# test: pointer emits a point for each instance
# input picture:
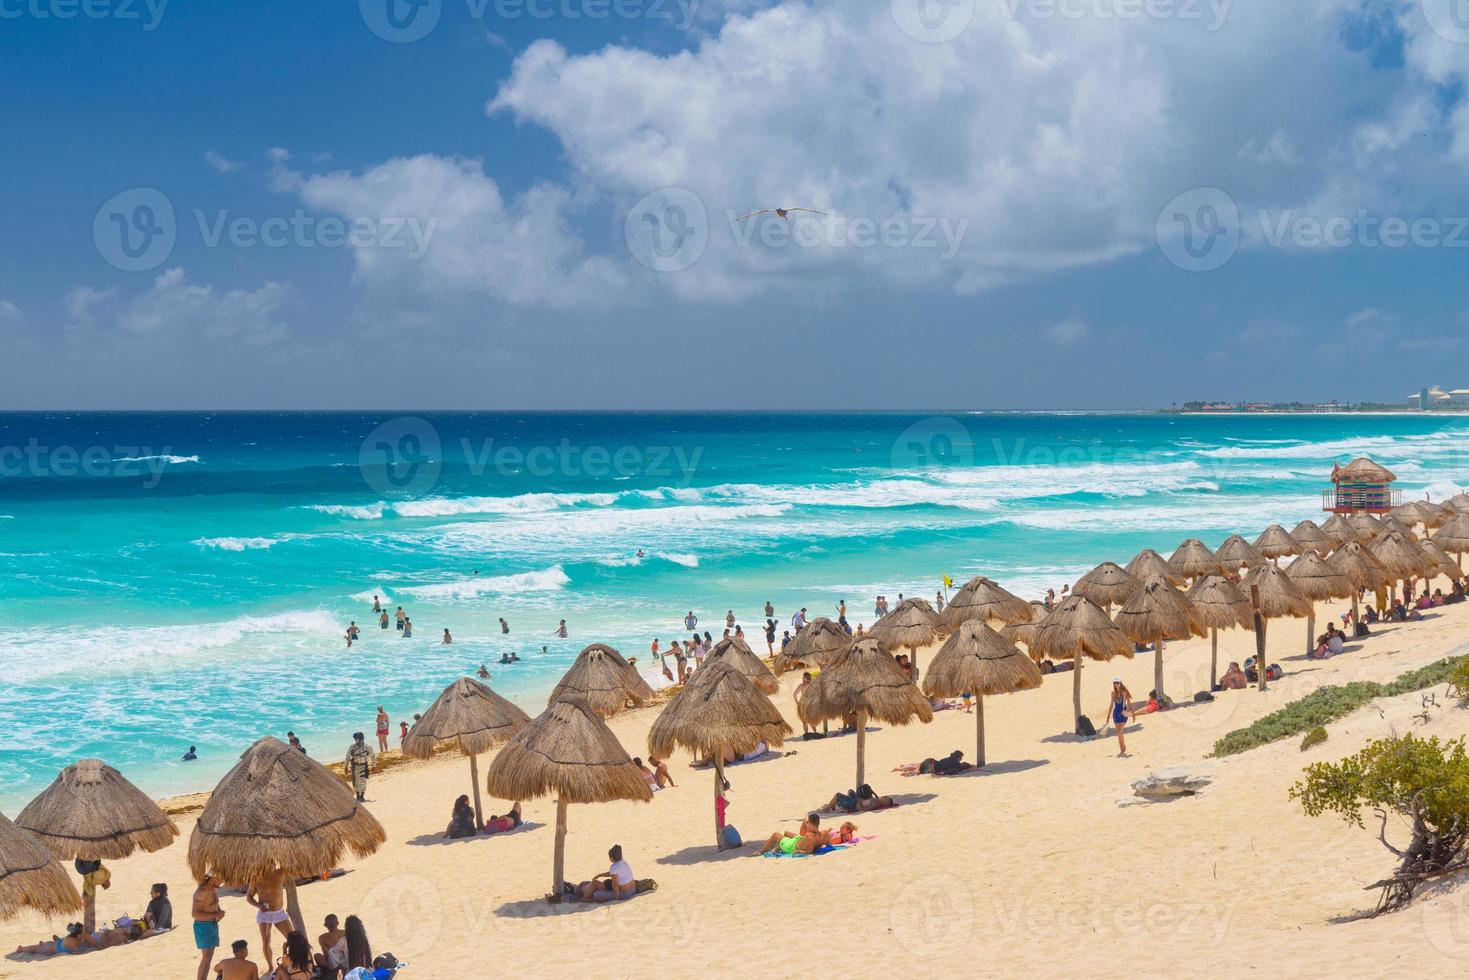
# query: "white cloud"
(173, 307)
(1067, 332)
(10, 314)
(220, 163)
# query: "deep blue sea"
(177, 579)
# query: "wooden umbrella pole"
(718, 795)
(479, 813)
(1213, 658)
(1158, 667)
(1076, 693)
(89, 912)
(558, 865)
(861, 747)
(293, 905)
(1311, 630)
(1259, 635)
(979, 730)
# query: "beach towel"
(820, 850)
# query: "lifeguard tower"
(1362, 486)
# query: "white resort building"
(1436, 397)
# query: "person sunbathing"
(76, 941)
(804, 841)
(1234, 679)
(864, 800)
(499, 825)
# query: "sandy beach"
(1027, 866)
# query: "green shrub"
(1327, 704)
(1421, 780)
(1314, 737)
(1458, 679)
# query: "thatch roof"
(1453, 535)
(31, 877)
(1194, 560)
(739, 656)
(1220, 605)
(1279, 596)
(1308, 535)
(1276, 542)
(469, 714)
(1460, 502)
(1391, 523)
(1025, 632)
(1158, 611)
(91, 812)
(867, 679)
(1106, 585)
(1359, 565)
(1236, 553)
(279, 808)
(1149, 564)
(911, 625)
(1339, 529)
(1318, 580)
(718, 710)
(1446, 565)
(567, 752)
(1364, 470)
(1078, 627)
(816, 645)
(1365, 527)
(1401, 556)
(1420, 512)
(603, 679)
(977, 660)
(983, 600)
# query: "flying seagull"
(779, 213)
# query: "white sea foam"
(367, 512)
(240, 544)
(546, 580)
(171, 460)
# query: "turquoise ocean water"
(177, 579)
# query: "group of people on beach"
(157, 918)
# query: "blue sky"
(542, 196)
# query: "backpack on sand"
(1084, 727)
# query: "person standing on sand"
(1119, 708)
(402, 732)
(383, 725)
(359, 762)
(770, 637)
(267, 897)
(807, 731)
(206, 915)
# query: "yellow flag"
(947, 581)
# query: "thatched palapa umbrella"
(1156, 613)
(1272, 596)
(1276, 543)
(719, 710)
(91, 812)
(976, 660)
(1107, 585)
(1075, 629)
(819, 643)
(738, 655)
(1317, 581)
(1339, 529)
(1446, 565)
(1194, 560)
(1453, 536)
(1366, 527)
(568, 751)
(1149, 564)
(912, 625)
(602, 678)
(1219, 605)
(866, 682)
(1236, 553)
(1354, 561)
(982, 600)
(1401, 556)
(280, 810)
(474, 718)
(1312, 538)
(31, 877)
(1025, 632)
(1391, 523)
(1420, 512)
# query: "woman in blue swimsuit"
(1121, 711)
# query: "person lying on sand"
(950, 765)
(76, 940)
(616, 883)
(1234, 679)
(499, 825)
(864, 800)
(810, 839)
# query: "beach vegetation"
(1313, 738)
(1422, 782)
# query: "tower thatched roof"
(91, 812)
(977, 660)
(468, 714)
(738, 655)
(718, 710)
(602, 678)
(1364, 470)
(279, 808)
(984, 600)
(31, 877)
(567, 752)
(865, 679)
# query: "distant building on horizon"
(1435, 397)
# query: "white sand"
(1030, 867)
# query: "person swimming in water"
(447, 638)
(190, 755)
(483, 672)
(561, 629)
